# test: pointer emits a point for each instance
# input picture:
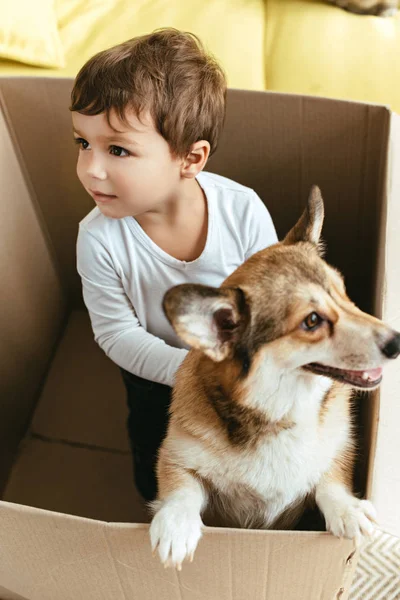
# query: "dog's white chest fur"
(282, 468)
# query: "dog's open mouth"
(369, 378)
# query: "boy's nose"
(97, 173)
(96, 170)
(392, 348)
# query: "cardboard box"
(72, 526)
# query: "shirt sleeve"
(114, 322)
(259, 227)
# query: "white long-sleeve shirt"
(125, 275)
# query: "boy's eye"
(312, 321)
(118, 151)
(82, 143)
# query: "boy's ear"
(308, 228)
(196, 159)
(206, 318)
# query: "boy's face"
(128, 173)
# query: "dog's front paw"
(175, 531)
(351, 518)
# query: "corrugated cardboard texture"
(67, 558)
(32, 305)
(92, 413)
(386, 471)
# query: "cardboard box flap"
(32, 302)
(282, 144)
(47, 555)
(232, 564)
(385, 489)
(48, 154)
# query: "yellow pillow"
(29, 34)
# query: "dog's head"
(289, 304)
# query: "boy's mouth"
(367, 379)
(102, 197)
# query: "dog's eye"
(312, 321)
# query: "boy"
(147, 114)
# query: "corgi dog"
(261, 412)
(381, 8)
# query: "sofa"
(296, 46)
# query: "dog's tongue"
(370, 374)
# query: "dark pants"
(148, 405)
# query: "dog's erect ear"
(308, 227)
(206, 318)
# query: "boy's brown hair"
(167, 72)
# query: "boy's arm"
(114, 322)
(259, 228)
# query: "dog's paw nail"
(352, 519)
(369, 510)
(176, 531)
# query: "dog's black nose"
(392, 348)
